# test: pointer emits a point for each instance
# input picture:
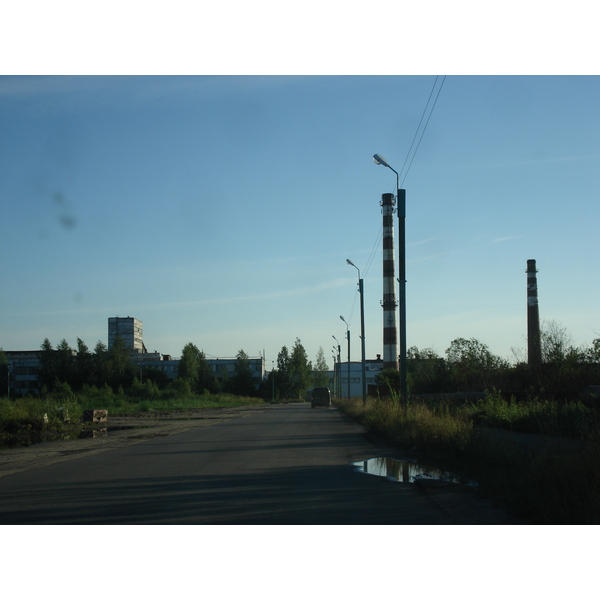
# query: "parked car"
(321, 396)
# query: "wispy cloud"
(421, 242)
(314, 289)
(506, 238)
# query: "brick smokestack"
(390, 330)
(534, 347)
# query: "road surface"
(284, 464)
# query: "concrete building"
(340, 376)
(24, 366)
(222, 368)
(129, 330)
(23, 371)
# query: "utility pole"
(362, 338)
(348, 338)
(401, 208)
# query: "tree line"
(470, 366)
(76, 369)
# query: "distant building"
(224, 368)
(372, 368)
(221, 368)
(129, 330)
(24, 366)
(23, 371)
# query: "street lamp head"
(379, 160)
(350, 262)
(342, 318)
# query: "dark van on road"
(320, 397)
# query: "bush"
(556, 484)
(547, 417)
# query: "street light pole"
(348, 338)
(339, 375)
(401, 208)
(362, 332)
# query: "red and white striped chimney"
(390, 330)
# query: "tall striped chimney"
(534, 347)
(390, 331)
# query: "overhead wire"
(367, 267)
(419, 125)
(424, 128)
(377, 241)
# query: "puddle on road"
(104, 431)
(407, 471)
(24, 440)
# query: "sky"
(220, 210)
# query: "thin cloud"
(327, 285)
(506, 238)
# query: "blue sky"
(220, 210)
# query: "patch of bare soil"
(117, 432)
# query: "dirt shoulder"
(117, 432)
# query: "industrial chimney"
(390, 332)
(534, 347)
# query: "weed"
(553, 484)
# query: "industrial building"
(340, 377)
(24, 366)
(23, 369)
(129, 330)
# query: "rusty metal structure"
(390, 328)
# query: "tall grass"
(552, 483)
(547, 417)
(62, 410)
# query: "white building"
(372, 369)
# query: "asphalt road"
(287, 464)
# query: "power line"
(367, 267)
(419, 125)
(424, 128)
(373, 252)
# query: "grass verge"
(29, 420)
(546, 483)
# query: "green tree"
(321, 372)
(207, 381)
(300, 369)
(121, 370)
(194, 368)
(156, 376)
(242, 382)
(65, 358)
(100, 365)
(189, 365)
(83, 367)
(566, 369)
(473, 366)
(48, 366)
(283, 384)
(427, 372)
(390, 378)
